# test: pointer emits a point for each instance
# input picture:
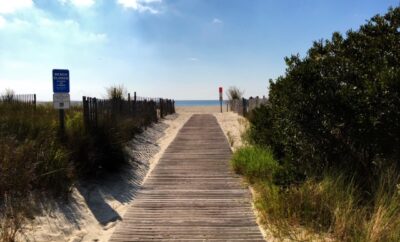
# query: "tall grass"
(330, 204)
(254, 163)
(234, 93)
(32, 158)
(35, 158)
(31, 155)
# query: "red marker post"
(220, 97)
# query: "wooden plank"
(192, 194)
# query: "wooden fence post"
(244, 106)
(161, 108)
(95, 112)
(129, 104)
(85, 112)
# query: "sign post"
(61, 98)
(220, 97)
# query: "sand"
(96, 207)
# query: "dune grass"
(36, 157)
(330, 205)
(254, 163)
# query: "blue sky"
(182, 49)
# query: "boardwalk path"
(192, 194)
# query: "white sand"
(95, 207)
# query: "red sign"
(220, 90)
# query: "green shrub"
(254, 163)
(339, 107)
(333, 123)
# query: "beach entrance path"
(192, 195)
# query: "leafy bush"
(340, 105)
(333, 123)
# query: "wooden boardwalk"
(192, 195)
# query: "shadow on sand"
(98, 195)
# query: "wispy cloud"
(193, 59)
(38, 25)
(11, 6)
(140, 5)
(217, 21)
(3, 21)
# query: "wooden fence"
(245, 106)
(143, 110)
(26, 99)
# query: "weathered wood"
(192, 194)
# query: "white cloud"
(193, 59)
(3, 21)
(217, 21)
(45, 22)
(78, 3)
(41, 27)
(11, 6)
(140, 5)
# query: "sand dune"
(95, 207)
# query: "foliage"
(333, 124)
(254, 162)
(117, 92)
(234, 93)
(31, 155)
(333, 206)
(340, 105)
(36, 157)
(8, 95)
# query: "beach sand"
(95, 207)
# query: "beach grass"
(35, 157)
(318, 209)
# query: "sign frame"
(61, 81)
(61, 101)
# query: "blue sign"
(60, 81)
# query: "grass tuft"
(330, 205)
(254, 163)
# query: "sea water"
(190, 103)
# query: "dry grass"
(35, 158)
(328, 208)
(231, 139)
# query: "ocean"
(189, 103)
